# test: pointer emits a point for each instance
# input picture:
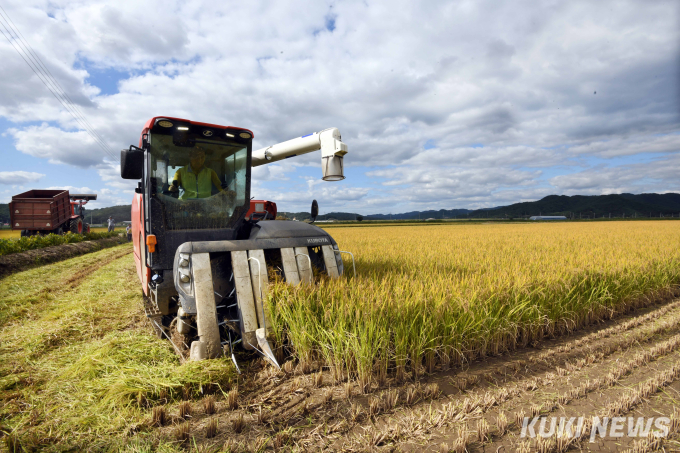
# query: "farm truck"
(49, 211)
(203, 254)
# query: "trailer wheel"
(59, 231)
(25, 233)
(87, 228)
(77, 226)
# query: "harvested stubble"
(211, 428)
(182, 432)
(85, 353)
(460, 292)
(238, 423)
(232, 399)
(209, 404)
(159, 416)
(184, 409)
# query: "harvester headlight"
(244, 135)
(184, 262)
(182, 128)
(230, 135)
(184, 278)
(165, 123)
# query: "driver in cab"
(195, 179)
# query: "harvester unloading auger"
(202, 262)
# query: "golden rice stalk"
(238, 423)
(209, 404)
(184, 409)
(375, 406)
(483, 430)
(158, 416)
(211, 428)
(432, 391)
(288, 367)
(232, 399)
(391, 398)
(317, 380)
(347, 390)
(412, 395)
(328, 396)
(502, 424)
(462, 441)
(183, 431)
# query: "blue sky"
(457, 105)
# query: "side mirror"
(315, 210)
(132, 163)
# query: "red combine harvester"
(202, 250)
(261, 210)
(49, 211)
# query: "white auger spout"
(329, 141)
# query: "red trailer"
(49, 211)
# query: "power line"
(54, 87)
(40, 70)
(47, 71)
(56, 94)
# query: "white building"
(547, 217)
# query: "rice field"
(384, 361)
(427, 296)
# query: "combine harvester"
(202, 253)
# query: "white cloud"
(655, 176)
(540, 85)
(19, 177)
(58, 146)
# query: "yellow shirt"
(197, 186)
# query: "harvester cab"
(203, 253)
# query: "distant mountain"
(577, 206)
(431, 214)
(414, 215)
(642, 205)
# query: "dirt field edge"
(17, 262)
